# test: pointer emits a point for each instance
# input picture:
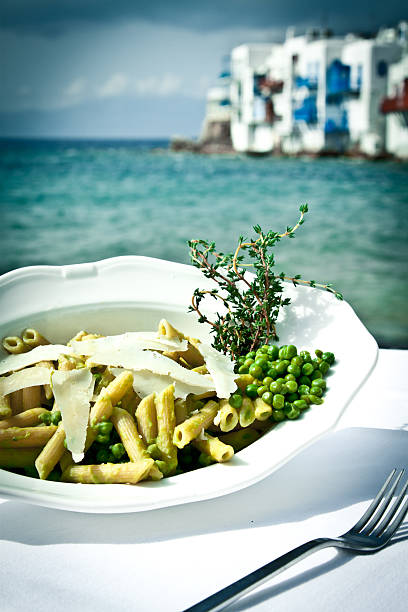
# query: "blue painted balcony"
(307, 112)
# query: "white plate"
(133, 293)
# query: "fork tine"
(387, 528)
(384, 504)
(374, 504)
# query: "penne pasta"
(214, 448)
(166, 422)
(18, 458)
(20, 437)
(51, 453)
(262, 410)
(246, 413)
(23, 419)
(31, 397)
(32, 338)
(134, 445)
(195, 424)
(14, 345)
(227, 416)
(109, 473)
(146, 418)
(16, 401)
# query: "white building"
(369, 62)
(395, 106)
(313, 94)
(250, 127)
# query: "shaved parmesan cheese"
(202, 435)
(217, 418)
(73, 390)
(146, 382)
(31, 377)
(221, 368)
(46, 352)
(137, 360)
(129, 341)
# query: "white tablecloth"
(169, 559)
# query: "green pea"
(241, 361)
(284, 389)
(282, 366)
(292, 397)
(248, 362)
(306, 398)
(251, 355)
(273, 351)
(316, 362)
(272, 373)
(275, 387)
(287, 351)
(316, 391)
(235, 401)
(261, 359)
(205, 460)
(117, 450)
(105, 428)
(307, 358)
(102, 456)
(292, 386)
(293, 414)
(315, 400)
(304, 380)
(267, 381)
(329, 357)
(303, 389)
(294, 369)
(319, 382)
(103, 439)
(290, 377)
(278, 415)
(316, 374)
(262, 389)
(307, 369)
(255, 370)
(251, 391)
(263, 349)
(297, 360)
(300, 404)
(280, 380)
(45, 418)
(243, 370)
(278, 401)
(55, 417)
(154, 451)
(267, 397)
(318, 353)
(324, 367)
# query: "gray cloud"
(51, 17)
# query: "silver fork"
(371, 533)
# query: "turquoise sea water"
(75, 201)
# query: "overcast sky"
(130, 68)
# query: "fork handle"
(237, 589)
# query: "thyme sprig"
(251, 303)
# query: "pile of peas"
(284, 379)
